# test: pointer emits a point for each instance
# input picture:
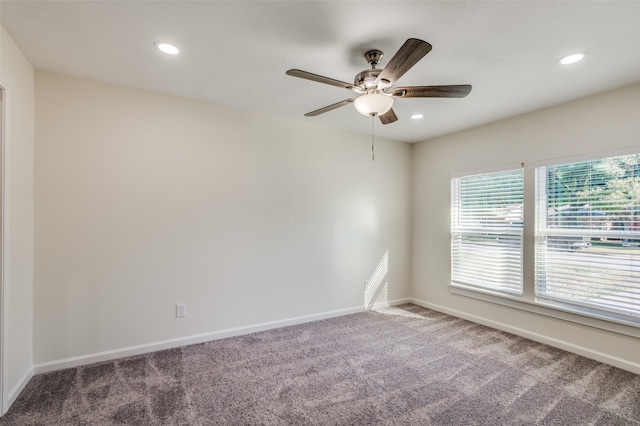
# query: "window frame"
(512, 231)
(528, 301)
(543, 230)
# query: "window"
(588, 236)
(486, 231)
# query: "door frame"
(3, 395)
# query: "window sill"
(548, 309)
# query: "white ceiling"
(235, 53)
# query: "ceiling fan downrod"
(367, 80)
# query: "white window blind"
(588, 236)
(486, 230)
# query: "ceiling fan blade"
(407, 56)
(329, 108)
(320, 79)
(451, 91)
(388, 117)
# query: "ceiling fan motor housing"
(367, 80)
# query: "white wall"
(607, 121)
(16, 76)
(145, 200)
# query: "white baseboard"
(205, 337)
(579, 350)
(17, 389)
(401, 301)
(77, 361)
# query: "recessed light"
(571, 59)
(416, 116)
(167, 48)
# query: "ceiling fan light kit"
(375, 86)
(373, 104)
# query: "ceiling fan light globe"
(373, 104)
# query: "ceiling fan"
(375, 86)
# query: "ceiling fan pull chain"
(373, 154)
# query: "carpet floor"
(398, 366)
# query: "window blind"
(486, 230)
(588, 235)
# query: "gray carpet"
(399, 366)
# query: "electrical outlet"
(181, 310)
